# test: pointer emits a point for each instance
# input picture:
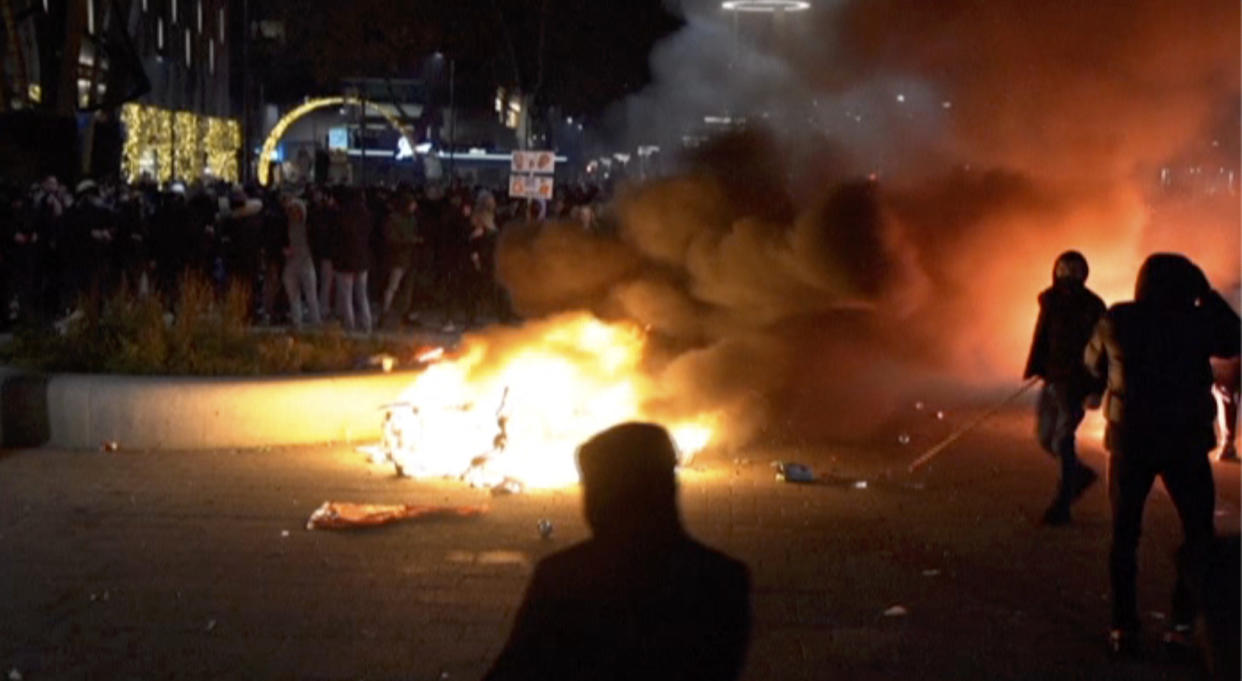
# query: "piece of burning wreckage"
(479, 435)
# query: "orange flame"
(517, 403)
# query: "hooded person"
(1156, 355)
(640, 599)
(1068, 312)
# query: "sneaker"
(1124, 643)
(1056, 516)
(1178, 644)
(1086, 478)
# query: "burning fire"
(512, 406)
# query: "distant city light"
(765, 5)
(901, 98)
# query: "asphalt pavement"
(198, 565)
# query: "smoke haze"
(907, 175)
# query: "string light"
(157, 140)
(187, 146)
(268, 154)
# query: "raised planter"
(79, 411)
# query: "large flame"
(514, 404)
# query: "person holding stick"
(1068, 312)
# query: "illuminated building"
(144, 84)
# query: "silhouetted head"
(1070, 268)
(628, 484)
(1171, 281)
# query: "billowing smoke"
(907, 173)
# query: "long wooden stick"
(957, 434)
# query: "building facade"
(145, 82)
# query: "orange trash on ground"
(334, 515)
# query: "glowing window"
(211, 56)
(200, 16)
(159, 33)
(90, 16)
(188, 47)
(220, 25)
(173, 4)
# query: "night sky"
(594, 52)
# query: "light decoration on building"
(187, 145)
(221, 142)
(268, 154)
(159, 142)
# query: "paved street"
(198, 565)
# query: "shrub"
(204, 336)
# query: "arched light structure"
(278, 130)
(765, 5)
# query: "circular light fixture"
(765, 5)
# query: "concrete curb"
(83, 411)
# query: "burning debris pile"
(508, 410)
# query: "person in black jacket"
(353, 260)
(1155, 353)
(640, 599)
(1068, 312)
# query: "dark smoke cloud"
(785, 285)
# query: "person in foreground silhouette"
(1155, 353)
(640, 599)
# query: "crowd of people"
(362, 256)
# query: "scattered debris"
(918, 406)
(502, 558)
(284, 534)
(1157, 615)
(383, 361)
(15, 675)
(109, 446)
(904, 438)
(861, 484)
(338, 515)
(896, 611)
(793, 472)
(931, 573)
(940, 415)
(211, 624)
(545, 528)
(508, 486)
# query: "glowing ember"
(513, 405)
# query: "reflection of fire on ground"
(510, 408)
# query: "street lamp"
(765, 5)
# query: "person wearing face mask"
(1068, 312)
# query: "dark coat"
(1068, 314)
(323, 231)
(1156, 359)
(354, 252)
(667, 609)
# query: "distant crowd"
(363, 256)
